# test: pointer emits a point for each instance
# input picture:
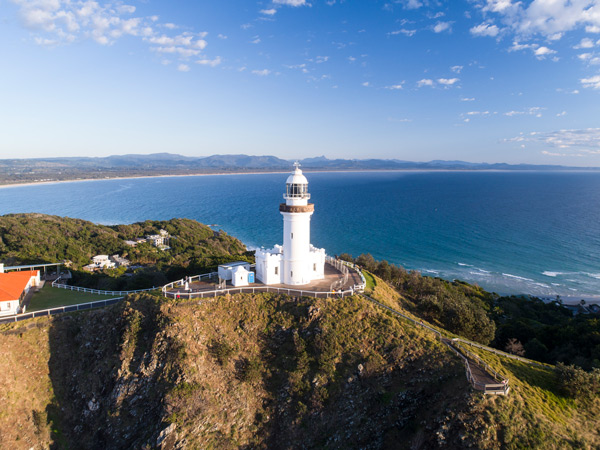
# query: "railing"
(398, 313)
(488, 388)
(255, 289)
(61, 309)
(501, 353)
(96, 291)
(182, 282)
(343, 266)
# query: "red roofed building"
(14, 286)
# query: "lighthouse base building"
(297, 262)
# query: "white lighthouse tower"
(297, 262)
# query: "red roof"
(12, 284)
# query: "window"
(315, 267)
(292, 235)
(276, 270)
(291, 274)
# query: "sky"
(419, 80)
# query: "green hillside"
(39, 238)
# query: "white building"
(237, 272)
(297, 262)
(14, 286)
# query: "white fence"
(61, 309)
(255, 289)
(96, 291)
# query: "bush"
(576, 382)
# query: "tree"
(515, 347)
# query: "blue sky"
(477, 80)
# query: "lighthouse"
(297, 262)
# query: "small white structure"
(237, 272)
(159, 240)
(14, 286)
(102, 262)
(297, 262)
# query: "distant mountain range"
(69, 168)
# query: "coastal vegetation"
(546, 332)
(39, 238)
(257, 371)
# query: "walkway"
(481, 376)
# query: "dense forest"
(195, 248)
(546, 332)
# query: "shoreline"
(201, 174)
(566, 299)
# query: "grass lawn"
(370, 282)
(49, 297)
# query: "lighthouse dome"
(296, 177)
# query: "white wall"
(296, 247)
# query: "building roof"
(296, 177)
(12, 284)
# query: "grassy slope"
(534, 415)
(265, 371)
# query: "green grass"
(49, 297)
(370, 282)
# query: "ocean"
(510, 232)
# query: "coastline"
(201, 174)
(589, 297)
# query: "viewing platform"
(341, 279)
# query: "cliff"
(262, 371)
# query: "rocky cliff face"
(245, 371)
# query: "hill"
(39, 238)
(73, 168)
(264, 371)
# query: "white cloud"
(403, 31)
(442, 26)
(221, 36)
(261, 73)
(542, 52)
(467, 99)
(586, 141)
(366, 84)
(395, 87)
(533, 111)
(210, 62)
(55, 22)
(592, 29)
(412, 4)
(517, 47)
(321, 59)
(290, 2)
(585, 43)
(560, 114)
(268, 12)
(424, 82)
(499, 5)
(456, 69)
(448, 81)
(549, 18)
(255, 40)
(591, 82)
(485, 29)
(183, 68)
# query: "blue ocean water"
(510, 232)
